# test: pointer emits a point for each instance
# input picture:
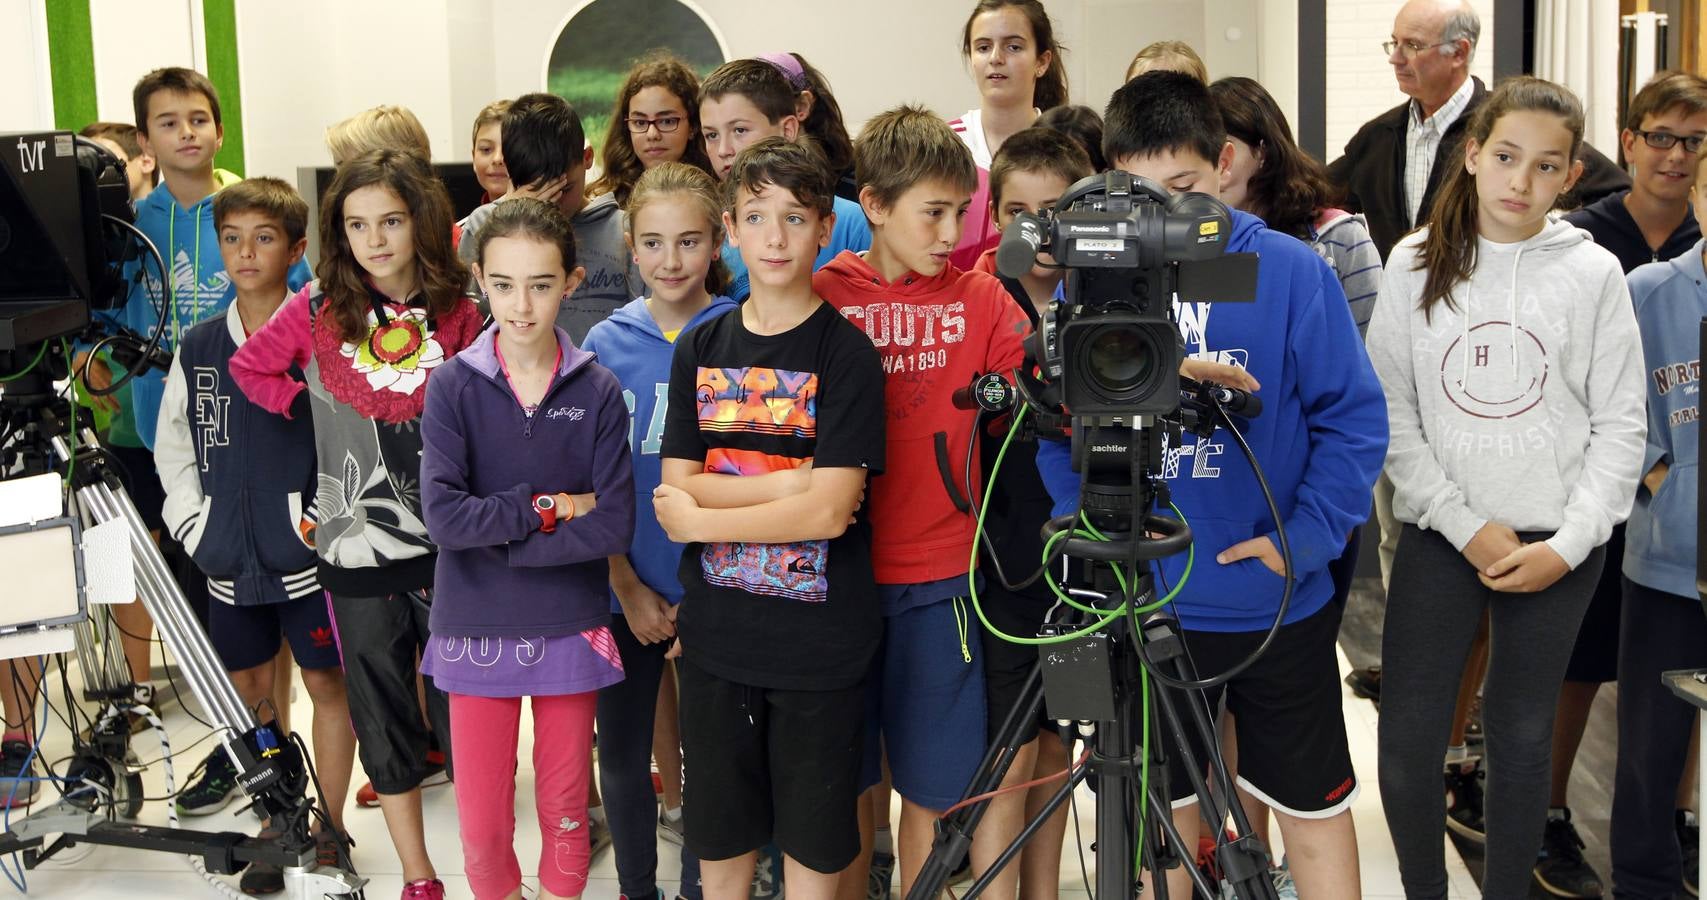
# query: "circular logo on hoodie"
(1496, 370)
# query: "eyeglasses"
(1412, 48)
(666, 124)
(1665, 140)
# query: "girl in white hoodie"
(1508, 351)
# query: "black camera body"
(1130, 248)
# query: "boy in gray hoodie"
(546, 152)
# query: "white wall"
(132, 38)
(309, 63)
(1360, 81)
(26, 103)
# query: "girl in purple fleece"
(527, 487)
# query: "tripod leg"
(954, 834)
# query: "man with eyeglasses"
(1625, 635)
(1390, 169)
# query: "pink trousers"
(483, 734)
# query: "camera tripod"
(1097, 674)
(271, 772)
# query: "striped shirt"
(1422, 142)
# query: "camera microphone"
(989, 392)
(1021, 241)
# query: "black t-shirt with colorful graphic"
(802, 615)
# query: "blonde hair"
(1173, 56)
(672, 179)
(491, 113)
(381, 128)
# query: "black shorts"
(762, 766)
(1594, 657)
(1006, 664)
(1287, 707)
(142, 482)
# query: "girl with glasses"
(655, 120)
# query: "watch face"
(545, 504)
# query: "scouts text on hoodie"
(1671, 299)
(483, 458)
(1520, 401)
(1319, 439)
(200, 287)
(631, 346)
(612, 276)
(935, 335)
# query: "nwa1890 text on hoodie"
(1521, 401)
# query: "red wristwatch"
(546, 506)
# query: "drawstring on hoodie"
(1511, 319)
(170, 276)
(960, 623)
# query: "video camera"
(1130, 249)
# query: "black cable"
(141, 241)
(170, 681)
(1286, 566)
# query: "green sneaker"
(212, 787)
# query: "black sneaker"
(212, 786)
(1689, 837)
(1464, 801)
(1561, 869)
(17, 775)
(1366, 683)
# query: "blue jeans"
(625, 719)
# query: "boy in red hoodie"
(936, 328)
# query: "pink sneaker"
(425, 889)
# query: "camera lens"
(1119, 359)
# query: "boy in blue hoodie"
(178, 122)
(1662, 625)
(1320, 441)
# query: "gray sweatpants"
(1433, 610)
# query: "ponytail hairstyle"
(441, 278)
(673, 179)
(1289, 188)
(528, 218)
(1051, 88)
(1449, 250)
(822, 117)
(622, 168)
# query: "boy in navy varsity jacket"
(240, 488)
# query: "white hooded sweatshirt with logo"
(1521, 401)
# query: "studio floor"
(119, 873)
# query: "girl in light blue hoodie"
(1662, 625)
(1508, 352)
(674, 230)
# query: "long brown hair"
(1449, 250)
(622, 167)
(673, 179)
(1051, 89)
(1289, 188)
(441, 278)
